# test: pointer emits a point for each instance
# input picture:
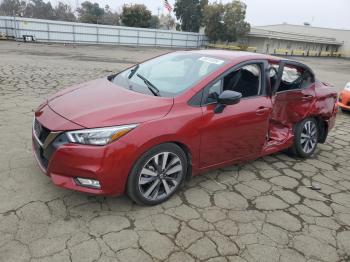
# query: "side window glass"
(214, 91)
(246, 80)
(308, 79)
(292, 78)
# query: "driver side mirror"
(227, 97)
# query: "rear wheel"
(305, 138)
(157, 174)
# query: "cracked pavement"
(262, 210)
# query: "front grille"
(45, 143)
(40, 135)
(40, 131)
(38, 150)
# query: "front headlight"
(99, 136)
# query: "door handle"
(262, 110)
(307, 97)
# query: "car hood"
(100, 103)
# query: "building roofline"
(319, 27)
(302, 37)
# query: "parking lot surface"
(261, 211)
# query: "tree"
(39, 9)
(136, 16)
(214, 26)
(11, 7)
(190, 13)
(225, 22)
(234, 20)
(154, 23)
(90, 13)
(167, 22)
(63, 12)
(109, 17)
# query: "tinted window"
(171, 74)
(308, 79)
(246, 80)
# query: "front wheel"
(157, 174)
(305, 138)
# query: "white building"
(299, 40)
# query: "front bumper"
(63, 162)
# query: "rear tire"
(157, 174)
(305, 138)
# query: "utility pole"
(158, 11)
(76, 7)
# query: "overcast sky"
(323, 13)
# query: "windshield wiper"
(133, 71)
(151, 87)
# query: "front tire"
(305, 138)
(157, 175)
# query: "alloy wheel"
(308, 138)
(160, 176)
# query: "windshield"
(171, 74)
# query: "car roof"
(235, 56)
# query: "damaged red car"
(147, 129)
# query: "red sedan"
(145, 130)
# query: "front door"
(241, 129)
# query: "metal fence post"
(118, 36)
(155, 38)
(97, 34)
(138, 38)
(6, 26)
(171, 40)
(73, 31)
(14, 28)
(186, 40)
(48, 31)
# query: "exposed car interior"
(295, 78)
(245, 80)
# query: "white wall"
(67, 32)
